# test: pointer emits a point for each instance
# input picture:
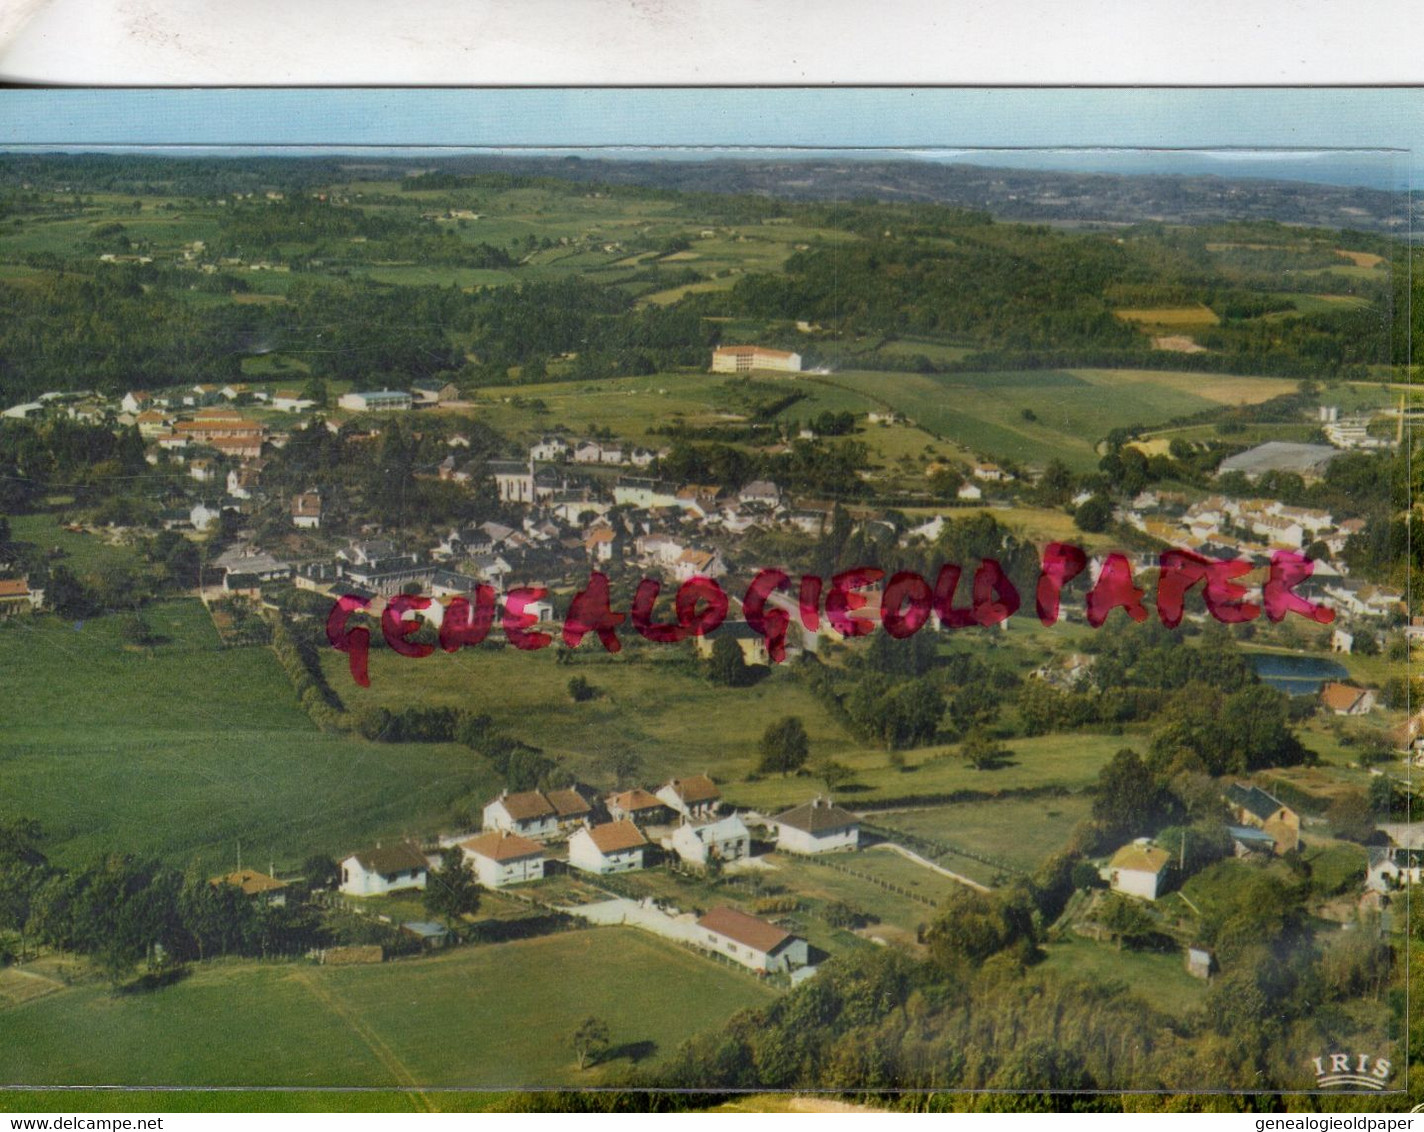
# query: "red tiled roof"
(250, 881)
(568, 803)
(500, 845)
(1340, 697)
(744, 929)
(14, 587)
(615, 835)
(697, 788)
(634, 801)
(526, 806)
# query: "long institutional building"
(744, 359)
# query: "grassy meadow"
(491, 1017)
(664, 712)
(181, 750)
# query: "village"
(727, 667)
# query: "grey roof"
(1280, 456)
(818, 816)
(1248, 833)
(1254, 800)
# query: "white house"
(638, 805)
(500, 858)
(693, 797)
(753, 943)
(378, 871)
(306, 510)
(1139, 870)
(725, 839)
(528, 814)
(818, 826)
(614, 847)
(549, 448)
(202, 516)
(1391, 867)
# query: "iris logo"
(1360, 1070)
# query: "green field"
(493, 1016)
(1158, 978)
(81, 553)
(1019, 832)
(181, 750)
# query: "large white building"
(818, 826)
(375, 400)
(744, 359)
(501, 858)
(374, 872)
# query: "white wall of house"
(356, 880)
(497, 817)
(799, 841)
(585, 855)
(1136, 882)
(793, 954)
(497, 874)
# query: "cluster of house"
(615, 834)
(1256, 522)
(1263, 825)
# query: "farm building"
(723, 840)
(744, 359)
(1305, 460)
(528, 814)
(375, 401)
(693, 797)
(751, 942)
(500, 858)
(377, 871)
(1254, 807)
(1247, 840)
(614, 847)
(1201, 963)
(818, 826)
(1139, 870)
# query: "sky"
(1368, 136)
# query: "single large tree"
(589, 1041)
(784, 746)
(1129, 799)
(451, 890)
(726, 666)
